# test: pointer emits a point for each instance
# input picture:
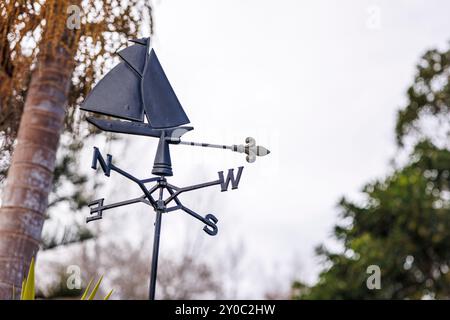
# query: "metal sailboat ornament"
(136, 90)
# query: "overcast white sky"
(317, 82)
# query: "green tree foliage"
(403, 224)
(428, 98)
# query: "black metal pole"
(156, 237)
(154, 268)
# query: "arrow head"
(252, 150)
(261, 151)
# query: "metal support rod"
(156, 237)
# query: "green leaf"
(28, 287)
(83, 297)
(23, 289)
(94, 291)
(108, 295)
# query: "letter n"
(106, 166)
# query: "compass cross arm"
(178, 191)
(97, 207)
(210, 220)
(107, 166)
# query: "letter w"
(106, 166)
(230, 178)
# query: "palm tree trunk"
(25, 195)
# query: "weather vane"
(138, 86)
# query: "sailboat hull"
(138, 128)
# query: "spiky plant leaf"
(83, 297)
(28, 284)
(94, 291)
(108, 295)
(23, 289)
(28, 288)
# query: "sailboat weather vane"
(135, 88)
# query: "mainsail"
(118, 94)
(160, 102)
(137, 85)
